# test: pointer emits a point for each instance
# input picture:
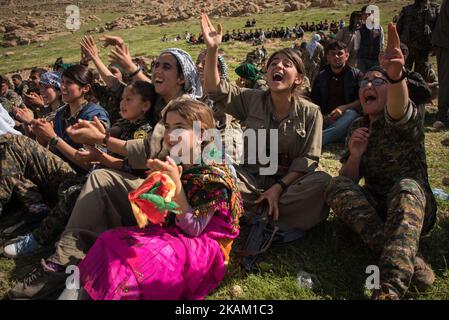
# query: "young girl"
(185, 259)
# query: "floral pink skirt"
(153, 263)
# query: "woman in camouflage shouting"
(396, 205)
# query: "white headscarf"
(313, 43)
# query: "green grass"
(330, 251)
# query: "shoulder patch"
(140, 134)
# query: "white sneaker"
(21, 246)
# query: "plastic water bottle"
(305, 280)
(439, 193)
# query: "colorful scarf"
(201, 184)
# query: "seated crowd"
(77, 144)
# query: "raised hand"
(392, 60)
(112, 41)
(121, 55)
(212, 37)
(89, 47)
(358, 142)
(33, 98)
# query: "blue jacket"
(88, 112)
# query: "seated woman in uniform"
(201, 234)
(295, 191)
(396, 205)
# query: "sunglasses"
(376, 82)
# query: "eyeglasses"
(376, 82)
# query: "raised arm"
(90, 49)
(122, 56)
(212, 39)
(393, 63)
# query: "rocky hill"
(25, 22)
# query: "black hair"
(16, 76)
(79, 74)
(355, 16)
(378, 69)
(3, 80)
(334, 44)
(146, 91)
(40, 71)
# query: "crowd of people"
(112, 163)
(258, 35)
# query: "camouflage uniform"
(312, 64)
(415, 25)
(29, 170)
(10, 100)
(54, 224)
(396, 204)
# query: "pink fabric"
(156, 262)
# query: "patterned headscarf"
(51, 78)
(223, 67)
(192, 85)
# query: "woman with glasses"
(386, 148)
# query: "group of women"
(185, 257)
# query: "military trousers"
(396, 238)
(30, 170)
(101, 205)
(443, 80)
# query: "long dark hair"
(355, 16)
(79, 74)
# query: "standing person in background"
(313, 56)
(415, 25)
(347, 36)
(440, 40)
(368, 43)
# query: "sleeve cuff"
(137, 153)
(406, 118)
